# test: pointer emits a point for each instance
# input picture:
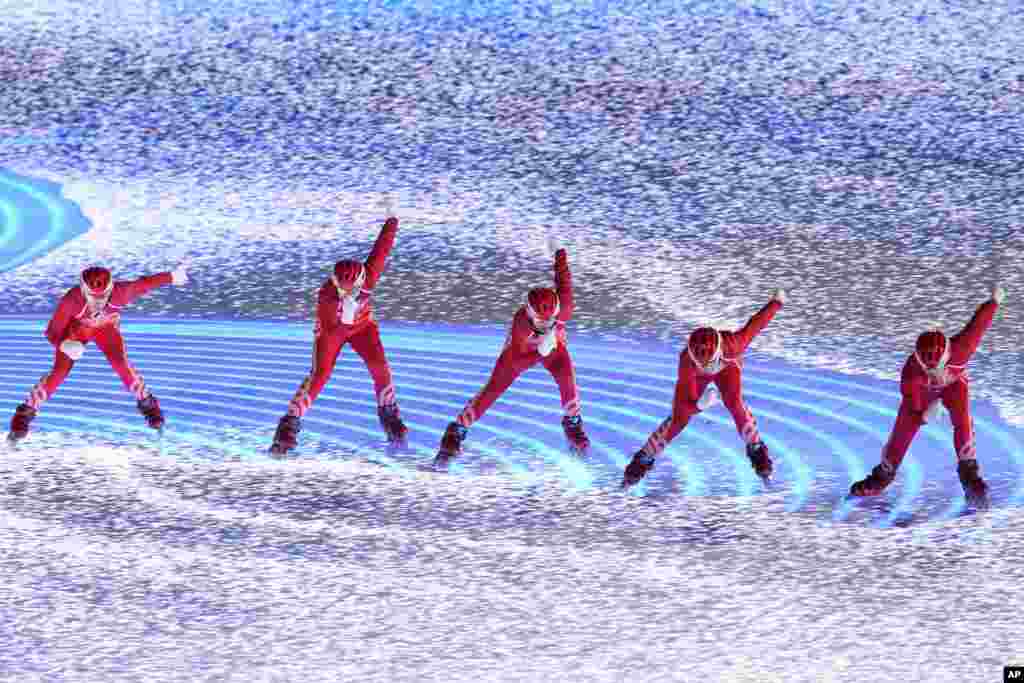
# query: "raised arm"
(379, 254)
(563, 285)
(966, 342)
(759, 321)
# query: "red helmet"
(349, 275)
(705, 345)
(542, 306)
(932, 350)
(96, 282)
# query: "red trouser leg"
(111, 343)
(559, 364)
(49, 382)
(326, 349)
(682, 410)
(510, 364)
(369, 347)
(956, 398)
(730, 386)
(908, 421)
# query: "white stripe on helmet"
(533, 314)
(715, 357)
(357, 285)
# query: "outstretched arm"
(759, 320)
(379, 254)
(134, 289)
(563, 285)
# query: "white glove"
(553, 246)
(179, 276)
(548, 342)
(389, 207)
(933, 411)
(709, 399)
(780, 296)
(72, 349)
(998, 294)
(349, 306)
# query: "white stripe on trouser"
(38, 396)
(301, 402)
(750, 434)
(468, 415)
(386, 397)
(138, 386)
(885, 457)
(968, 451)
(572, 407)
(656, 443)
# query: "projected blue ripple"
(223, 386)
(34, 219)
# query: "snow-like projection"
(35, 219)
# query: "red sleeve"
(913, 385)
(563, 285)
(521, 331)
(127, 292)
(327, 307)
(966, 342)
(379, 254)
(67, 308)
(758, 322)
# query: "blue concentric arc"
(223, 386)
(35, 219)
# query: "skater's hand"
(389, 206)
(998, 294)
(780, 296)
(179, 276)
(552, 246)
(72, 349)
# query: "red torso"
(75, 319)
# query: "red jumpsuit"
(330, 333)
(75, 320)
(520, 353)
(920, 390)
(692, 381)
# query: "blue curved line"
(9, 227)
(529, 381)
(54, 227)
(1001, 435)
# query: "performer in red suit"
(537, 335)
(937, 371)
(344, 314)
(711, 356)
(92, 312)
